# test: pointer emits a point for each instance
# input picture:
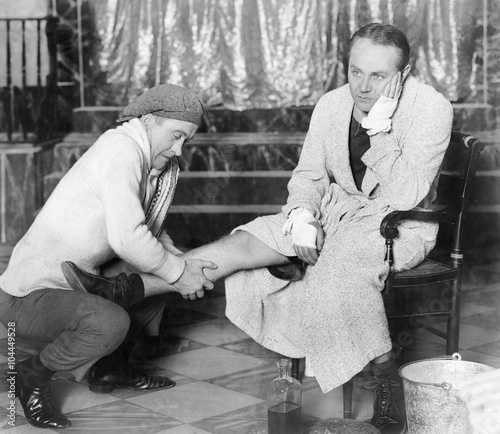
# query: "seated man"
(374, 145)
(111, 204)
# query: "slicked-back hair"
(384, 34)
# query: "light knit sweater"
(334, 316)
(95, 213)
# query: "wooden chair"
(440, 274)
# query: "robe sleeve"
(405, 170)
(310, 179)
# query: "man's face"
(167, 136)
(371, 67)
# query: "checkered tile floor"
(222, 375)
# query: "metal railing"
(23, 72)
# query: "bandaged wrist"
(379, 117)
(303, 234)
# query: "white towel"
(481, 395)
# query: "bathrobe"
(334, 316)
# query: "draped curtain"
(242, 54)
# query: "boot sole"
(108, 388)
(72, 278)
(102, 389)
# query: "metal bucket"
(432, 404)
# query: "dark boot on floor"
(107, 374)
(125, 290)
(33, 391)
(388, 407)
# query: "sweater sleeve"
(405, 169)
(120, 175)
(310, 180)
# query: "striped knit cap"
(166, 101)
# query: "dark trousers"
(78, 328)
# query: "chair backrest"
(454, 190)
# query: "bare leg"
(239, 251)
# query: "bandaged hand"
(379, 117)
(303, 233)
(307, 235)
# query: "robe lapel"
(370, 182)
(341, 165)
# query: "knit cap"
(166, 101)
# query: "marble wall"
(212, 166)
(22, 170)
(230, 179)
(467, 117)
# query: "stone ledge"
(467, 117)
(474, 117)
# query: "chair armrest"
(389, 225)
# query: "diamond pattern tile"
(251, 420)
(244, 381)
(252, 348)
(488, 355)
(483, 319)
(194, 401)
(216, 332)
(22, 427)
(121, 417)
(71, 396)
(222, 375)
(184, 429)
(208, 363)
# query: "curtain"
(244, 54)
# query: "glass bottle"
(284, 402)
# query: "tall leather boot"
(33, 392)
(125, 290)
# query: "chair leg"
(347, 391)
(453, 326)
(295, 368)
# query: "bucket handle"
(454, 356)
(445, 385)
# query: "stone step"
(246, 151)
(223, 167)
(270, 187)
(467, 116)
(232, 188)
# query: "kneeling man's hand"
(193, 281)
